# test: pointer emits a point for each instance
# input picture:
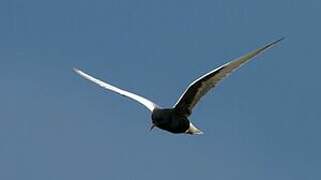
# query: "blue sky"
(263, 122)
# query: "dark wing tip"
(270, 45)
(274, 43)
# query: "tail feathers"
(193, 130)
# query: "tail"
(193, 130)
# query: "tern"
(175, 119)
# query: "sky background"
(263, 122)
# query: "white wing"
(202, 85)
(147, 103)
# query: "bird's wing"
(147, 103)
(202, 85)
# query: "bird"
(176, 119)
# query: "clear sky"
(263, 122)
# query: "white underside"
(193, 130)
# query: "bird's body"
(167, 119)
(175, 119)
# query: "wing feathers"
(202, 85)
(147, 103)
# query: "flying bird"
(175, 119)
